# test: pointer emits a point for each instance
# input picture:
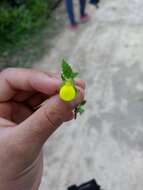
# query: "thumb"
(41, 124)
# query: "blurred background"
(106, 143)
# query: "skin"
(23, 129)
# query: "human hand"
(23, 131)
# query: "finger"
(70, 116)
(5, 110)
(12, 80)
(80, 83)
(21, 96)
(54, 74)
(15, 112)
(40, 125)
(50, 74)
(57, 75)
(6, 123)
(20, 112)
(36, 100)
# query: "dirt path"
(106, 143)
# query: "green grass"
(25, 47)
(29, 49)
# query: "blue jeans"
(94, 2)
(70, 9)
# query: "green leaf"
(66, 70)
(75, 74)
(63, 78)
(83, 102)
(80, 110)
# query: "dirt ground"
(106, 143)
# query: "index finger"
(13, 80)
(78, 81)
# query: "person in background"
(70, 10)
(95, 3)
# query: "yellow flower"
(68, 91)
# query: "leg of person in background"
(83, 16)
(70, 11)
(95, 2)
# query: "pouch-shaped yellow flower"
(68, 91)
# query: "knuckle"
(37, 132)
(16, 150)
(54, 116)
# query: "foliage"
(67, 72)
(19, 19)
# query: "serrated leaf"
(75, 74)
(63, 78)
(83, 103)
(66, 70)
(80, 110)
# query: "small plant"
(19, 20)
(68, 91)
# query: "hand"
(23, 131)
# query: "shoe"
(72, 26)
(84, 18)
